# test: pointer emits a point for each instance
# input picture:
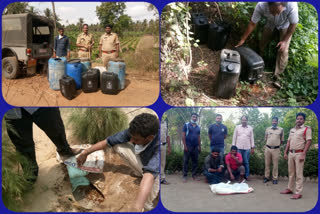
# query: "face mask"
(218, 122)
(193, 121)
(140, 148)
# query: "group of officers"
(235, 164)
(108, 45)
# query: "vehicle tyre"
(10, 67)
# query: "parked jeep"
(27, 44)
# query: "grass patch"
(92, 125)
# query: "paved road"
(195, 196)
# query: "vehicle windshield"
(41, 32)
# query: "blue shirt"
(217, 133)
(61, 46)
(150, 157)
(192, 134)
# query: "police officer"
(274, 137)
(298, 145)
(85, 43)
(108, 45)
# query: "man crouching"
(139, 146)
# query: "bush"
(92, 125)
(14, 180)
(311, 164)
(257, 164)
(174, 162)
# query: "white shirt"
(288, 16)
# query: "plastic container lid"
(74, 61)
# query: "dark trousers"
(236, 172)
(20, 133)
(213, 177)
(192, 153)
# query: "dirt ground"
(204, 79)
(52, 190)
(142, 89)
(196, 196)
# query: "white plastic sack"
(228, 189)
(94, 162)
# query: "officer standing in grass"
(298, 145)
(274, 137)
(281, 16)
(108, 45)
(61, 45)
(85, 43)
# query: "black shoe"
(275, 181)
(265, 180)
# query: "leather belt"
(82, 50)
(296, 150)
(273, 147)
(109, 52)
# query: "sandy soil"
(142, 89)
(52, 191)
(196, 196)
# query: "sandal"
(296, 196)
(286, 191)
(163, 181)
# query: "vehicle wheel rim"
(8, 68)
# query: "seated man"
(141, 153)
(234, 165)
(213, 166)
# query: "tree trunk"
(54, 17)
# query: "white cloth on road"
(227, 188)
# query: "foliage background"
(259, 119)
(300, 79)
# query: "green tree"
(80, 23)
(15, 8)
(124, 23)
(48, 13)
(109, 12)
(32, 10)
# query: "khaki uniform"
(84, 39)
(109, 43)
(297, 140)
(274, 137)
(126, 151)
(282, 56)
